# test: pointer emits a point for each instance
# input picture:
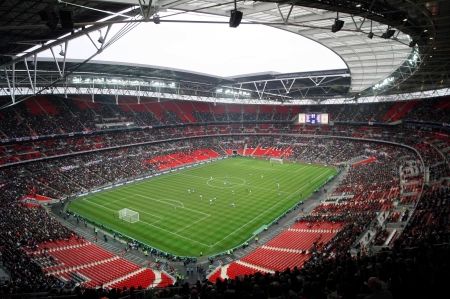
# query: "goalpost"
(129, 215)
(276, 161)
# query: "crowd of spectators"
(415, 267)
(423, 142)
(26, 227)
(331, 272)
(64, 116)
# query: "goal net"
(129, 215)
(276, 160)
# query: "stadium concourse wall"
(142, 177)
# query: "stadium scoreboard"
(312, 118)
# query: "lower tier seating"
(236, 269)
(144, 279)
(87, 264)
(276, 259)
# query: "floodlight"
(388, 34)
(156, 19)
(61, 52)
(370, 35)
(338, 24)
(235, 16)
(101, 39)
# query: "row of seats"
(78, 260)
(291, 248)
(235, 269)
(299, 240)
(63, 244)
(103, 273)
(79, 256)
(182, 158)
(334, 226)
(275, 260)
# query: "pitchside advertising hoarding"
(313, 118)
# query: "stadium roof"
(378, 66)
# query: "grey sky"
(214, 49)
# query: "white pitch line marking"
(115, 211)
(265, 211)
(165, 202)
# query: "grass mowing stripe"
(214, 218)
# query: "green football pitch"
(206, 209)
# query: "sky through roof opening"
(214, 49)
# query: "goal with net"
(276, 160)
(129, 215)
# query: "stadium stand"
(44, 160)
(43, 116)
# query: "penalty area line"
(116, 211)
(155, 226)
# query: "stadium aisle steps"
(93, 266)
(299, 240)
(237, 269)
(223, 271)
(290, 250)
(105, 272)
(166, 280)
(78, 256)
(157, 279)
(253, 266)
(214, 275)
(275, 260)
(61, 245)
(67, 269)
(142, 277)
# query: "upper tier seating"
(49, 115)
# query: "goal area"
(276, 161)
(128, 215)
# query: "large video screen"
(313, 118)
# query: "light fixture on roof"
(413, 43)
(338, 24)
(370, 35)
(235, 16)
(156, 19)
(101, 39)
(61, 51)
(358, 5)
(388, 34)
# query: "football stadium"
(224, 149)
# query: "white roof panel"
(369, 60)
